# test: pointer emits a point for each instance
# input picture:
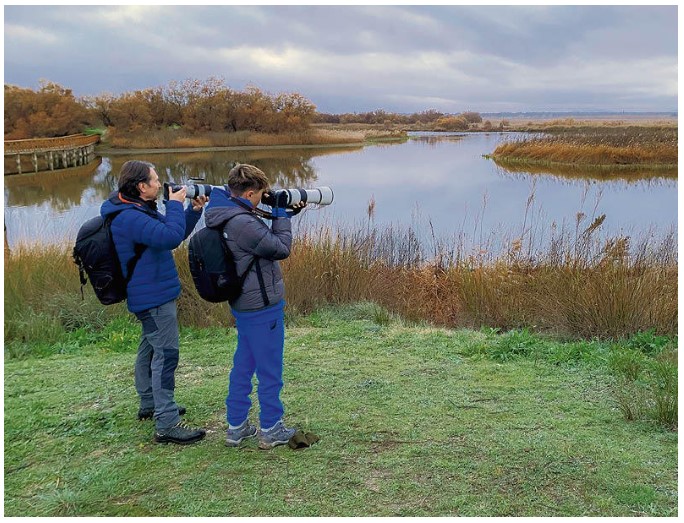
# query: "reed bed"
(43, 297)
(646, 147)
(570, 282)
(579, 286)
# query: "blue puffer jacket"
(155, 278)
(246, 237)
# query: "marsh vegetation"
(632, 148)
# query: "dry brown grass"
(653, 147)
(580, 285)
(179, 139)
(576, 284)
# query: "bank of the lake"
(413, 420)
(179, 139)
(634, 149)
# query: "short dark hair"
(244, 177)
(132, 173)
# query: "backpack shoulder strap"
(138, 248)
(219, 226)
(254, 259)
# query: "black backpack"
(212, 266)
(96, 257)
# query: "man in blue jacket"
(137, 227)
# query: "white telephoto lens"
(319, 195)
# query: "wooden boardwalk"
(42, 154)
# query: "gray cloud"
(357, 58)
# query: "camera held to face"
(317, 195)
(193, 190)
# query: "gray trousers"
(156, 364)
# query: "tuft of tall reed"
(580, 287)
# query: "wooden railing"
(41, 154)
(40, 145)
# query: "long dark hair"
(132, 173)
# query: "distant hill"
(580, 114)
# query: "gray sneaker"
(279, 434)
(235, 436)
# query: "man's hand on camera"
(179, 195)
(199, 202)
(297, 208)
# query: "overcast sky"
(356, 58)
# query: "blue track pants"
(261, 340)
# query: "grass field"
(413, 421)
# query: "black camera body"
(193, 190)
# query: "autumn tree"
(100, 107)
(429, 116)
(204, 101)
(452, 123)
(131, 112)
(471, 117)
(49, 112)
(293, 112)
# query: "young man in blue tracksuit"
(153, 288)
(258, 311)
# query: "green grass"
(414, 421)
(95, 130)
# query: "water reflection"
(284, 167)
(601, 174)
(434, 139)
(439, 180)
(61, 189)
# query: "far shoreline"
(175, 150)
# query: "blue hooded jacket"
(155, 278)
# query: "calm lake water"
(438, 183)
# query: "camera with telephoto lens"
(317, 195)
(193, 190)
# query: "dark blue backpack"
(212, 266)
(96, 257)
